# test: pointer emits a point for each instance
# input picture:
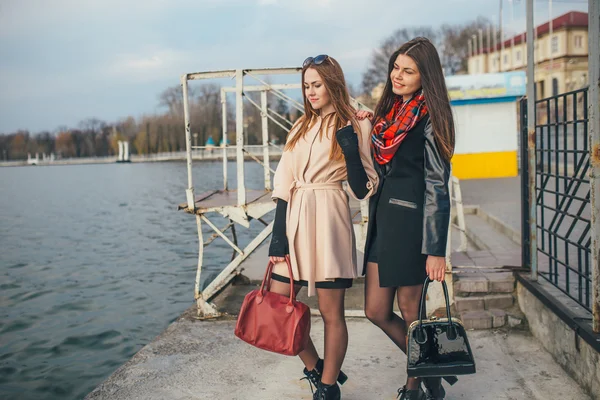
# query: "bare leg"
(379, 308)
(309, 355)
(331, 306)
(408, 302)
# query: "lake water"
(95, 261)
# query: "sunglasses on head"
(320, 59)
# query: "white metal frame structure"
(242, 205)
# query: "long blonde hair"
(335, 84)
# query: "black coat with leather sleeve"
(409, 215)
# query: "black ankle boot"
(314, 376)
(416, 394)
(327, 392)
(434, 389)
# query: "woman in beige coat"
(313, 223)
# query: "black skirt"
(338, 283)
(400, 261)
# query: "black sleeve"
(279, 243)
(357, 176)
(436, 210)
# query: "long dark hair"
(332, 75)
(425, 55)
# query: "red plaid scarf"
(390, 131)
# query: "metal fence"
(562, 193)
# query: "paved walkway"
(498, 197)
(204, 360)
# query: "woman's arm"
(279, 242)
(362, 176)
(436, 209)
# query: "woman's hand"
(362, 114)
(347, 138)
(276, 260)
(436, 268)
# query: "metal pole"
(224, 127)
(265, 138)
(531, 144)
(550, 36)
(501, 40)
(594, 138)
(239, 136)
(480, 41)
(495, 36)
(189, 192)
(512, 35)
(487, 46)
(474, 40)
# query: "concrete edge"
(559, 337)
(500, 226)
(471, 236)
(497, 224)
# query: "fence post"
(524, 172)
(594, 141)
(189, 192)
(532, 203)
(239, 137)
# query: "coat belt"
(294, 217)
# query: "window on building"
(539, 90)
(519, 55)
(554, 44)
(578, 41)
(554, 87)
(506, 59)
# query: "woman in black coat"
(413, 142)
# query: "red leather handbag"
(272, 321)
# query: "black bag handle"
(421, 337)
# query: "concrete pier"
(204, 360)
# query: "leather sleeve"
(279, 242)
(437, 207)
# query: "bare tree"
(455, 44)
(377, 71)
(450, 40)
(172, 98)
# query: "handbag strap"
(268, 277)
(422, 301)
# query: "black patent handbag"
(438, 347)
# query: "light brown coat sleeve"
(283, 178)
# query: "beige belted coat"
(319, 225)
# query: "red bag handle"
(267, 281)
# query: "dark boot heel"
(451, 379)
(342, 377)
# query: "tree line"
(164, 131)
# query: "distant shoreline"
(133, 160)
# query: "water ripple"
(95, 268)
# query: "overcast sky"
(62, 61)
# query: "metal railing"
(562, 193)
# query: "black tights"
(379, 309)
(331, 307)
